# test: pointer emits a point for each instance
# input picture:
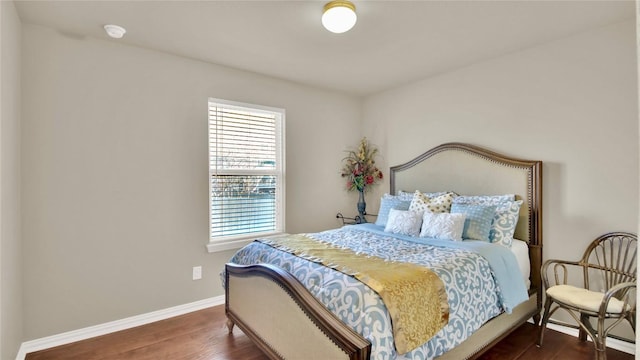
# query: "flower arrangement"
(360, 167)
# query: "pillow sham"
(436, 204)
(504, 223)
(409, 195)
(404, 222)
(505, 219)
(479, 218)
(484, 199)
(442, 226)
(405, 195)
(388, 202)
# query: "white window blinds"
(246, 170)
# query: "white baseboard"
(113, 326)
(620, 345)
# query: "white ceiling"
(393, 42)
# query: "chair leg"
(600, 340)
(582, 333)
(601, 350)
(545, 319)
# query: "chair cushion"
(583, 298)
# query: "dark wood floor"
(202, 335)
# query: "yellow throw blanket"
(414, 295)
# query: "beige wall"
(10, 239)
(571, 103)
(115, 174)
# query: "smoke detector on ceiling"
(115, 31)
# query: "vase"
(361, 208)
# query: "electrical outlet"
(197, 272)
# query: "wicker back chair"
(608, 269)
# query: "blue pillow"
(386, 204)
(479, 218)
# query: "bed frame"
(284, 320)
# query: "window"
(246, 173)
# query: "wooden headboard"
(471, 170)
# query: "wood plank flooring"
(202, 335)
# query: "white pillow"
(442, 226)
(404, 222)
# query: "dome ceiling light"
(339, 16)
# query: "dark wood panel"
(202, 335)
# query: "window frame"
(223, 243)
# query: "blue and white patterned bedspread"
(473, 294)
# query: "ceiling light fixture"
(339, 16)
(115, 31)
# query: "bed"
(334, 316)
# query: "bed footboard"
(273, 309)
(492, 332)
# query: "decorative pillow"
(484, 199)
(405, 195)
(505, 219)
(388, 202)
(442, 226)
(477, 224)
(504, 223)
(404, 222)
(436, 204)
(409, 195)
